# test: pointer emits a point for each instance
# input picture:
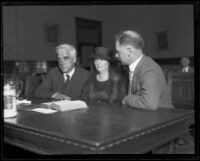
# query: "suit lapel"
(73, 78)
(140, 64)
(60, 82)
(135, 74)
(61, 76)
(135, 77)
(190, 69)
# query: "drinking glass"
(18, 84)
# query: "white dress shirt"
(131, 71)
(186, 69)
(69, 74)
(134, 64)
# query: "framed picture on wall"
(51, 34)
(161, 40)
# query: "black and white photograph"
(51, 34)
(80, 79)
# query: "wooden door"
(88, 36)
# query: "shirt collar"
(186, 68)
(71, 72)
(134, 64)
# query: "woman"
(104, 84)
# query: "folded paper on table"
(24, 101)
(65, 105)
(43, 110)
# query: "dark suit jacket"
(191, 69)
(149, 89)
(54, 82)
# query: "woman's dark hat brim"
(102, 53)
(100, 57)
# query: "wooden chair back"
(182, 89)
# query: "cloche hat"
(102, 53)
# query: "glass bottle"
(10, 109)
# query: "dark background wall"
(23, 28)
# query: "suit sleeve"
(85, 94)
(45, 89)
(114, 91)
(148, 96)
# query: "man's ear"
(130, 50)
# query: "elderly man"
(147, 84)
(65, 81)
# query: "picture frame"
(161, 41)
(51, 34)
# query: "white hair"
(130, 37)
(68, 48)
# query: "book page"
(66, 105)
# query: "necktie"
(130, 81)
(66, 77)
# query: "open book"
(65, 105)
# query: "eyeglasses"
(64, 59)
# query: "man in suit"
(65, 81)
(185, 65)
(147, 84)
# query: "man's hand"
(125, 98)
(60, 96)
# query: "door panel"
(88, 36)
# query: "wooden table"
(103, 128)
